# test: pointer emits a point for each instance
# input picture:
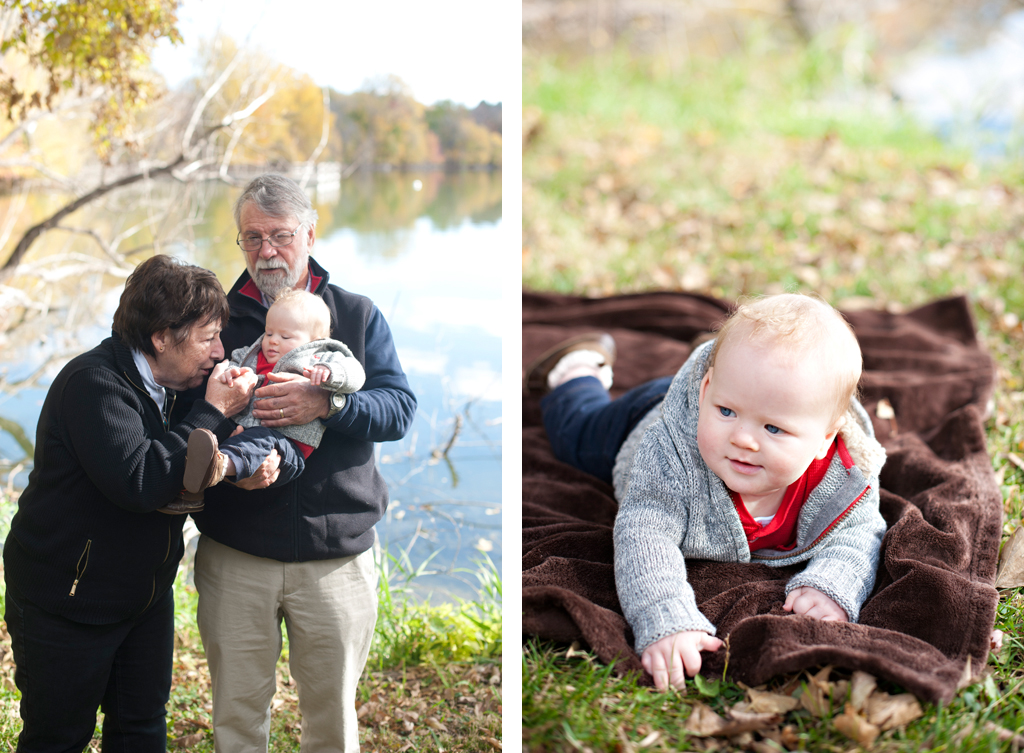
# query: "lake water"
(423, 248)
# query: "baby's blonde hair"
(310, 310)
(808, 327)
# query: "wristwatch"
(337, 403)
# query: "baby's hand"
(813, 603)
(669, 658)
(229, 375)
(318, 374)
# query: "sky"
(445, 49)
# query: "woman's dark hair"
(165, 293)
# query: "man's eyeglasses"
(253, 242)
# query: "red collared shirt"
(780, 532)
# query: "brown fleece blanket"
(928, 621)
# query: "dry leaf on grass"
(856, 727)
(649, 740)
(763, 702)
(703, 722)
(816, 693)
(788, 737)
(1011, 562)
(188, 740)
(435, 724)
(890, 711)
(863, 686)
(496, 744)
(1004, 734)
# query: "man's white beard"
(271, 284)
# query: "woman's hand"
(813, 603)
(289, 399)
(675, 656)
(232, 395)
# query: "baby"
(757, 450)
(295, 340)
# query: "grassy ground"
(767, 171)
(432, 682)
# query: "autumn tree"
(463, 140)
(290, 131)
(95, 49)
(383, 124)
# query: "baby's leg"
(586, 427)
(247, 451)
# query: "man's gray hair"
(276, 196)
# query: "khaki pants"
(329, 608)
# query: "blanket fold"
(933, 605)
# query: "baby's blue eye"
(727, 412)
(772, 429)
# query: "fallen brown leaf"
(761, 701)
(188, 740)
(863, 685)
(1004, 734)
(435, 724)
(856, 727)
(890, 711)
(649, 740)
(703, 722)
(1011, 561)
(496, 744)
(816, 692)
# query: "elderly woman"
(90, 560)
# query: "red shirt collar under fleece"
(780, 533)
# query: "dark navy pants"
(66, 670)
(586, 427)
(249, 449)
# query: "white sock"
(580, 359)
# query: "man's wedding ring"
(282, 412)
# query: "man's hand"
(289, 399)
(813, 603)
(318, 374)
(264, 476)
(675, 656)
(233, 395)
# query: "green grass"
(746, 175)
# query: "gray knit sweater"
(347, 376)
(672, 506)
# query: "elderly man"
(301, 551)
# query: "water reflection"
(419, 251)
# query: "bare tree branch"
(189, 154)
(40, 168)
(53, 220)
(197, 113)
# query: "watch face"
(337, 400)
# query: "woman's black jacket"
(87, 542)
